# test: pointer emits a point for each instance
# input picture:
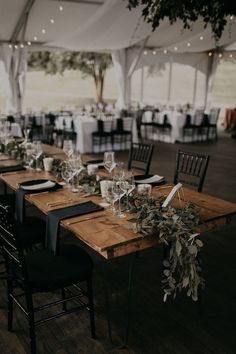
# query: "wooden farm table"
(106, 234)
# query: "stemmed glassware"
(76, 167)
(118, 193)
(37, 147)
(66, 172)
(128, 185)
(68, 148)
(109, 161)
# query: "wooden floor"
(177, 327)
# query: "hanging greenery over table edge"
(174, 228)
(214, 12)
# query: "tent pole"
(141, 86)
(170, 80)
(195, 87)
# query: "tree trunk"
(99, 88)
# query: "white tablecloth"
(177, 121)
(85, 126)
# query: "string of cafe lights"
(221, 55)
(23, 44)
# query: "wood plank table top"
(106, 234)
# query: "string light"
(145, 52)
(220, 55)
(231, 18)
(165, 51)
(61, 8)
(188, 44)
(52, 21)
(201, 38)
(231, 55)
(210, 54)
(22, 45)
(29, 43)
(10, 46)
(175, 48)
(15, 46)
(43, 31)
(154, 52)
(35, 38)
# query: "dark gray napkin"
(12, 168)
(55, 216)
(20, 198)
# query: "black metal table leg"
(107, 299)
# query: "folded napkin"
(34, 186)
(12, 168)
(100, 163)
(55, 216)
(149, 179)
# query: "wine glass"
(37, 147)
(68, 148)
(119, 171)
(109, 160)
(128, 185)
(66, 172)
(76, 167)
(110, 196)
(118, 194)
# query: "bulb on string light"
(175, 48)
(22, 45)
(15, 46)
(231, 55)
(220, 55)
(10, 46)
(52, 20)
(35, 38)
(29, 43)
(165, 51)
(43, 31)
(201, 38)
(231, 17)
(210, 54)
(154, 52)
(145, 52)
(188, 44)
(61, 8)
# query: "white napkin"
(44, 185)
(153, 179)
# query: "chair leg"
(91, 307)
(30, 308)
(9, 304)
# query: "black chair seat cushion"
(48, 272)
(31, 232)
(101, 134)
(121, 132)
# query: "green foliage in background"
(90, 64)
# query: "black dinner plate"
(40, 181)
(140, 177)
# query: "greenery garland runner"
(214, 12)
(174, 228)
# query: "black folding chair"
(191, 169)
(40, 272)
(140, 157)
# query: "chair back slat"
(10, 243)
(191, 169)
(140, 156)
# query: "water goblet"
(68, 148)
(118, 194)
(109, 161)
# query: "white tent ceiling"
(100, 25)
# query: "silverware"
(65, 201)
(86, 219)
